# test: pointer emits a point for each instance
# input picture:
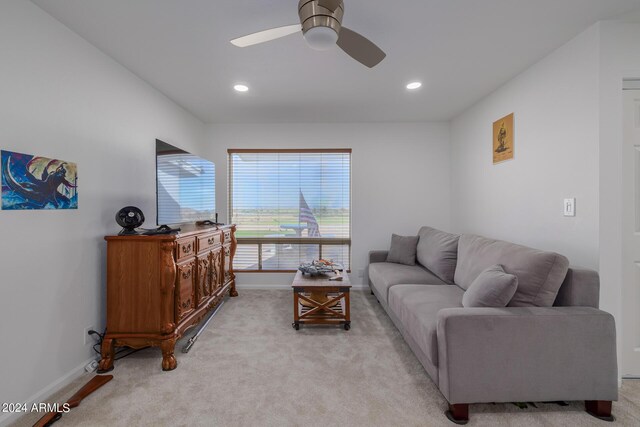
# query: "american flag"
(305, 215)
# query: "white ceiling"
(461, 49)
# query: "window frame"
(321, 241)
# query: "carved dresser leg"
(458, 413)
(232, 288)
(107, 352)
(600, 409)
(169, 362)
(232, 254)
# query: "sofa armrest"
(581, 287)
(377, 256)
(526, 354)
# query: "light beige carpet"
(251, 368)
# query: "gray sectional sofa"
(550, 343)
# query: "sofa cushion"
(383, 275)
(492, 288)
(417, 307)
(403, 249)
(539, 273)
(438, 251)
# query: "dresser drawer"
(209, 241)
(186, 248)
(185, 289)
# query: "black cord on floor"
(127, 350)
(100, 338)
(133, 350)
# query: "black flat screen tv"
(185, 186)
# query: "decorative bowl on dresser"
(160, 286)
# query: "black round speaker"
(129, 218)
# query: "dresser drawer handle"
(211, 240)
(186, 274)
(186, 248)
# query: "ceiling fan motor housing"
(313, 15)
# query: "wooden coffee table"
(320, 301)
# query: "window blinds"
(290, 206)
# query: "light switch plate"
(570, 207)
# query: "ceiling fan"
(321, 26)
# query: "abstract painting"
(503, 139)
(34, 182)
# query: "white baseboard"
(287, 287)
(45, 393)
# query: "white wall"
(64, 99)
(568, 144)
(556, 156)
(400, 177)
(619, 59)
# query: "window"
(290, 206)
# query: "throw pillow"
(438, 252)
(403, 249)
(492, 288)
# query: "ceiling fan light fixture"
(321, 25)
(241, 88)
(414, 85)
(321, 38)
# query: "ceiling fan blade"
(360, 48)
(332, 5)
(266, 35)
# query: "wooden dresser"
(160, 286)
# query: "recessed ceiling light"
(241, 88)
(414, 85)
